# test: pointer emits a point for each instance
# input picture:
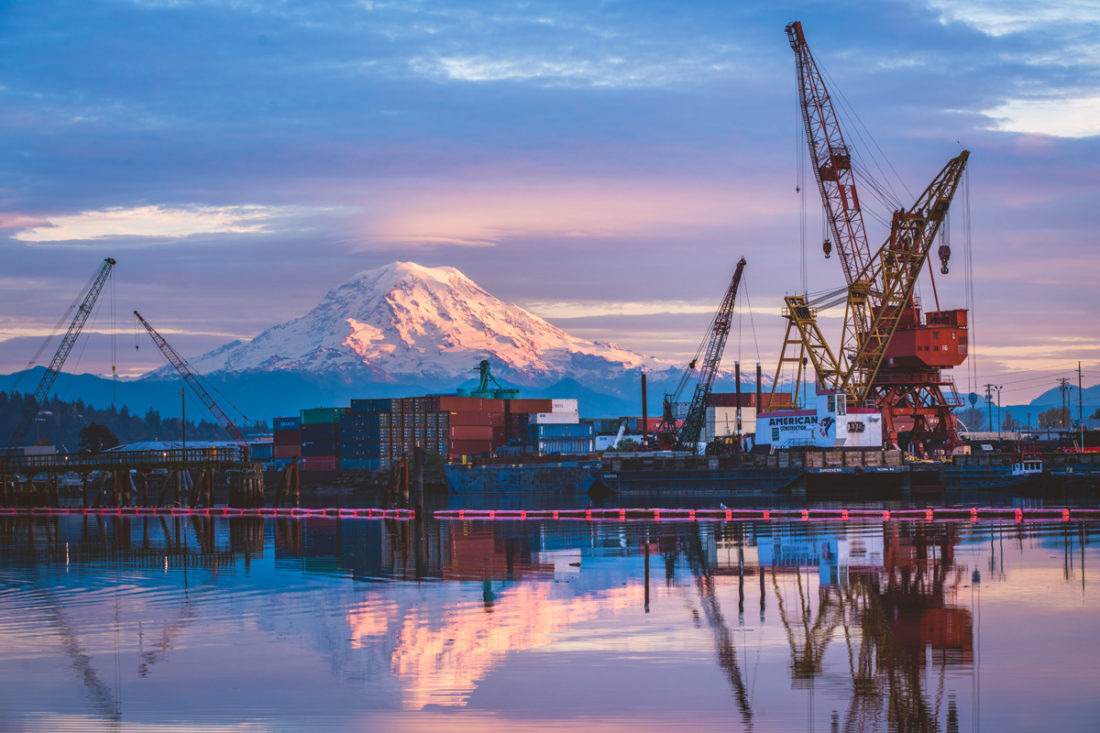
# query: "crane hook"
(827, 248)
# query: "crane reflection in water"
(867, 621)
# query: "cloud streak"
(154, 222)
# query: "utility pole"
(183, 417)
(1080, 411)
(989, 404)
(999, 387)
(1063, 416)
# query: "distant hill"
(59, 422)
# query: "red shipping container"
(471, 432)
(456, 403)
(319, 463)
(469, 447)
(469, 418)
(287, 451)
(287, 437)
(529, 405)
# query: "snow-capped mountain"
(404, 320)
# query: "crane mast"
(83, 311)
(719, 331)
(184, 370)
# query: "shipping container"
(319, 463)
(287, 451)
(471, 432)
(564, 405)
(319, 429)
(414, 405)
(492, 405)
(365, 419)
(319, 448)
(287, 437)
(365, 435)
(261, 451)
(557, 430)
(566, 446)
(360, 450)
(494, 419)
(321, 415)
(360, 464)
(530, 404)
(470, 447)
(380, 404)
(556, 418)
(456, 403)
(286, 423)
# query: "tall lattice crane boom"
(716, 344)
(184, 370)
(831, 160)
(83, 311)
(894, 270)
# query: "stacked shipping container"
(287, 438)
(320, 438)
(372, 433)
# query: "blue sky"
(602, 164)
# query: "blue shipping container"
(319, 448)
(286, 423)
(564, 430)
(365, 420)
(382, 404)
(261, 451)
(566, 446)
(326, 431)
(360, 464)
(360, 450)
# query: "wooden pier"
(181, 477)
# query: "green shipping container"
(322, 415)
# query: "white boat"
(1028, 467)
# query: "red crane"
(184, 370)
(890, 354)
(831, 160)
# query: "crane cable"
(66, 317)
(968, 272)
(800, 177)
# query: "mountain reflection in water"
(288, 623)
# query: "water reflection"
(767, 625)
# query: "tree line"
(73, 426)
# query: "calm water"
(181, 623)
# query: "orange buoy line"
(588, 514)
(219, 511)
(805, 515)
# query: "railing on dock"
(168, 458)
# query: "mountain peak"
(407, 320)
(395, 273)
